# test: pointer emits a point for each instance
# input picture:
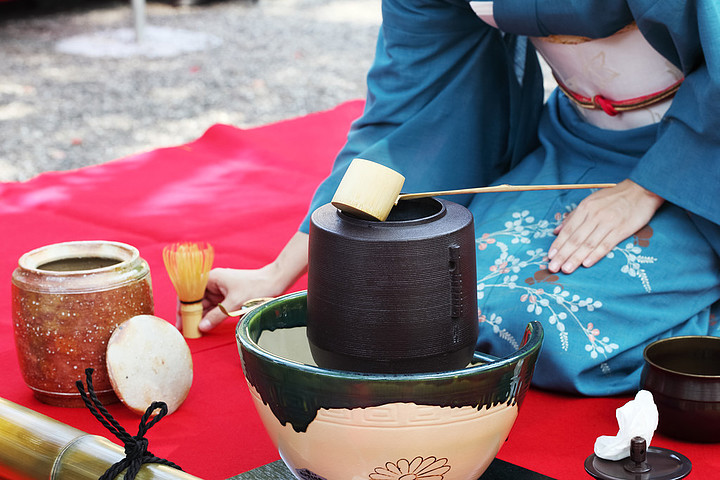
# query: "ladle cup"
(370, 190)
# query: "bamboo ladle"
(370, 190)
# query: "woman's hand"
(601, 221)
(233, 287)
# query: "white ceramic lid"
(148, 360)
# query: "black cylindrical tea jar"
(397, 296)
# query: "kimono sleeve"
(540, 18)
(444, 106)
(684, 164)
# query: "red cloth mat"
(245, 191)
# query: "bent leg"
(659, 283)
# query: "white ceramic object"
(149, 361)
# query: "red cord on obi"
(613, 107)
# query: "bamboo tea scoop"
(370, 190)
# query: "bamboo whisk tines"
(188, 265)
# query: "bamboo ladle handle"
(370, 190)
(503, 188)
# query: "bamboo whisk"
(188, 265)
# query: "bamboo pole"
(36, 447)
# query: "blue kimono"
(454, 103)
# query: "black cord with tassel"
(136, 448)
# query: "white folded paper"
(638, 417)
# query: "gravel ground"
(258, 62)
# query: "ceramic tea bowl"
(683, 374)
(335, 424)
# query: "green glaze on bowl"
(296, 391)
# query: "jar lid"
(148, 360)
(653, 463)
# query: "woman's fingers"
(211, 319)
(599, 223)
(586, 246)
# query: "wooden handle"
(504, 188)
(246, 307)
(191, 314)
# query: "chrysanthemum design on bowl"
(430, 468)
(419, 468)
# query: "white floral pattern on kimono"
(542, 291)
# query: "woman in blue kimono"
(454, 102)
